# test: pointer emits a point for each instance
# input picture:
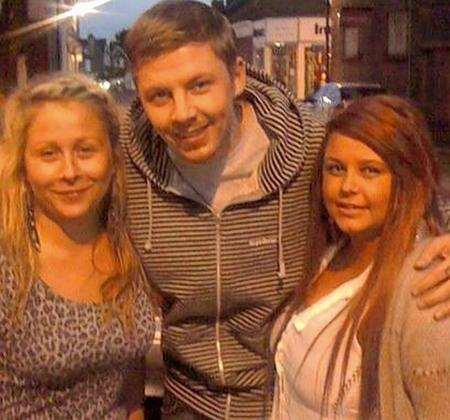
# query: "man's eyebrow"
(150, 90)
(187, 81)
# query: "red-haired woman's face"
(356, 187)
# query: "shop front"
(292, 50)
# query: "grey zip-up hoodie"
(222, 276)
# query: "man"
(219, 162)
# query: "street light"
(84, 7)
(79, 9)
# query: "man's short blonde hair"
(172, 24)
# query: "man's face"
(188, 96)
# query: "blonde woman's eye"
(48, 154)
(86, 151)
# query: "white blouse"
(299, 383)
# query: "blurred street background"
(357, 46)
(443, 153)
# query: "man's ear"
(240, 77)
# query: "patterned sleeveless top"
(62, 360)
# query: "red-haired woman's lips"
(350, 208)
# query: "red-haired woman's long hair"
(397, 131)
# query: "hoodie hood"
(287, 123)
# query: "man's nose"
(183, 110)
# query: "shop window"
(356, 27)
(398, 34)
(284, 64)
(315, 68)
(351, 42)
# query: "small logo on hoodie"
(263, 241)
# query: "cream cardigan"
(415, 355)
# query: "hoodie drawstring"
(148, 242)
(281, 264)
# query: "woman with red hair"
(352, 344)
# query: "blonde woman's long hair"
(17, 235)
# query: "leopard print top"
(62, 361)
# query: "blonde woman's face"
(356, 186)
(68, 160)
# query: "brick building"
(285, 38)
(402, 44)
(33, 41)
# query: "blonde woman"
(76, 318)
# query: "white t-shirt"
(299, 388)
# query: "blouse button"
(300, 324)
(280, 368)
(278, 364)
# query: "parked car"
(339, 94)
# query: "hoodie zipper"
(218, 316)
(219, 303)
